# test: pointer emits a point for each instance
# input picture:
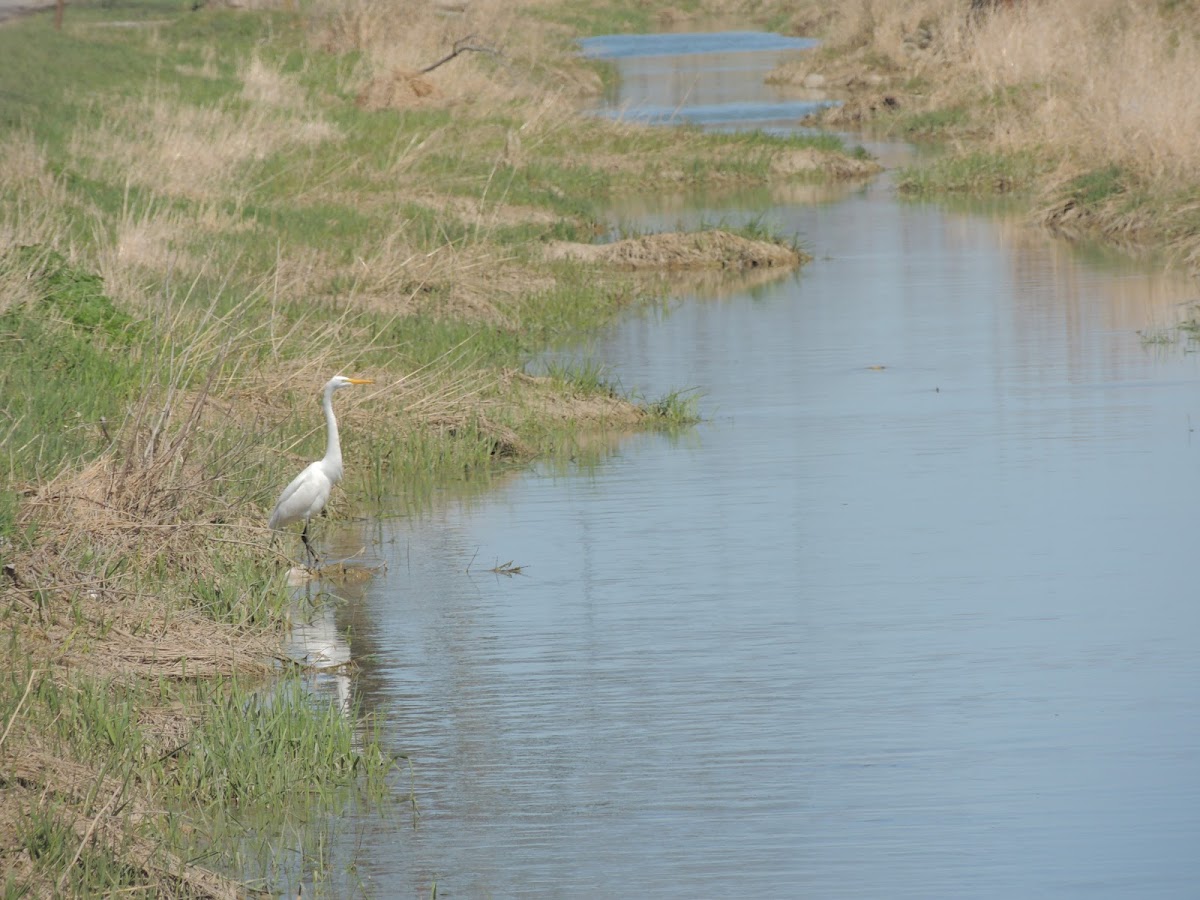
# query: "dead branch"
(462, 45)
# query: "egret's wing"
(304, 497)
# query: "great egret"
(306, 495)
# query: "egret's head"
(341, 381)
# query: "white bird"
(308, 492)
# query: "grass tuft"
(979, 173)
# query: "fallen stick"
(460, 46)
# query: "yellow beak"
(361, 381)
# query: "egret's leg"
(308, 549)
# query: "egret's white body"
(306, 496)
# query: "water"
(710, 79)
(911, 614)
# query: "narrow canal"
(912, 613)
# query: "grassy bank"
(1085, 108)
(203, 214)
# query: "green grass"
(272, 751)
(69, 68)
(262, 760)
(676, 409)
(935, 123)
(236, 591)
(68, 370)
(586, 376)
(755, 228)
(978, 173)
(1098, 185)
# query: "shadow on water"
(910, 614)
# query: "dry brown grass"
(137, 250)
(548, 399)
(475, 282)
(206, 69)
(29, 214)
(446, 395)
(1114, 79)
(195, 152)
(669, 252)
(119, 629)
(131, 251)
(149, 497)
(400, 39)
(267, 85)
(450, 395)
(26, 175)
(481, 213)
(1093, 81)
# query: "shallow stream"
(912, 613)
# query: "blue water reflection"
(631, 46)
(715, 80)
(771, 115)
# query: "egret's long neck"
(333, 446)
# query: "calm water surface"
(710, 79)
(911, 614)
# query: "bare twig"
(462, 45)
